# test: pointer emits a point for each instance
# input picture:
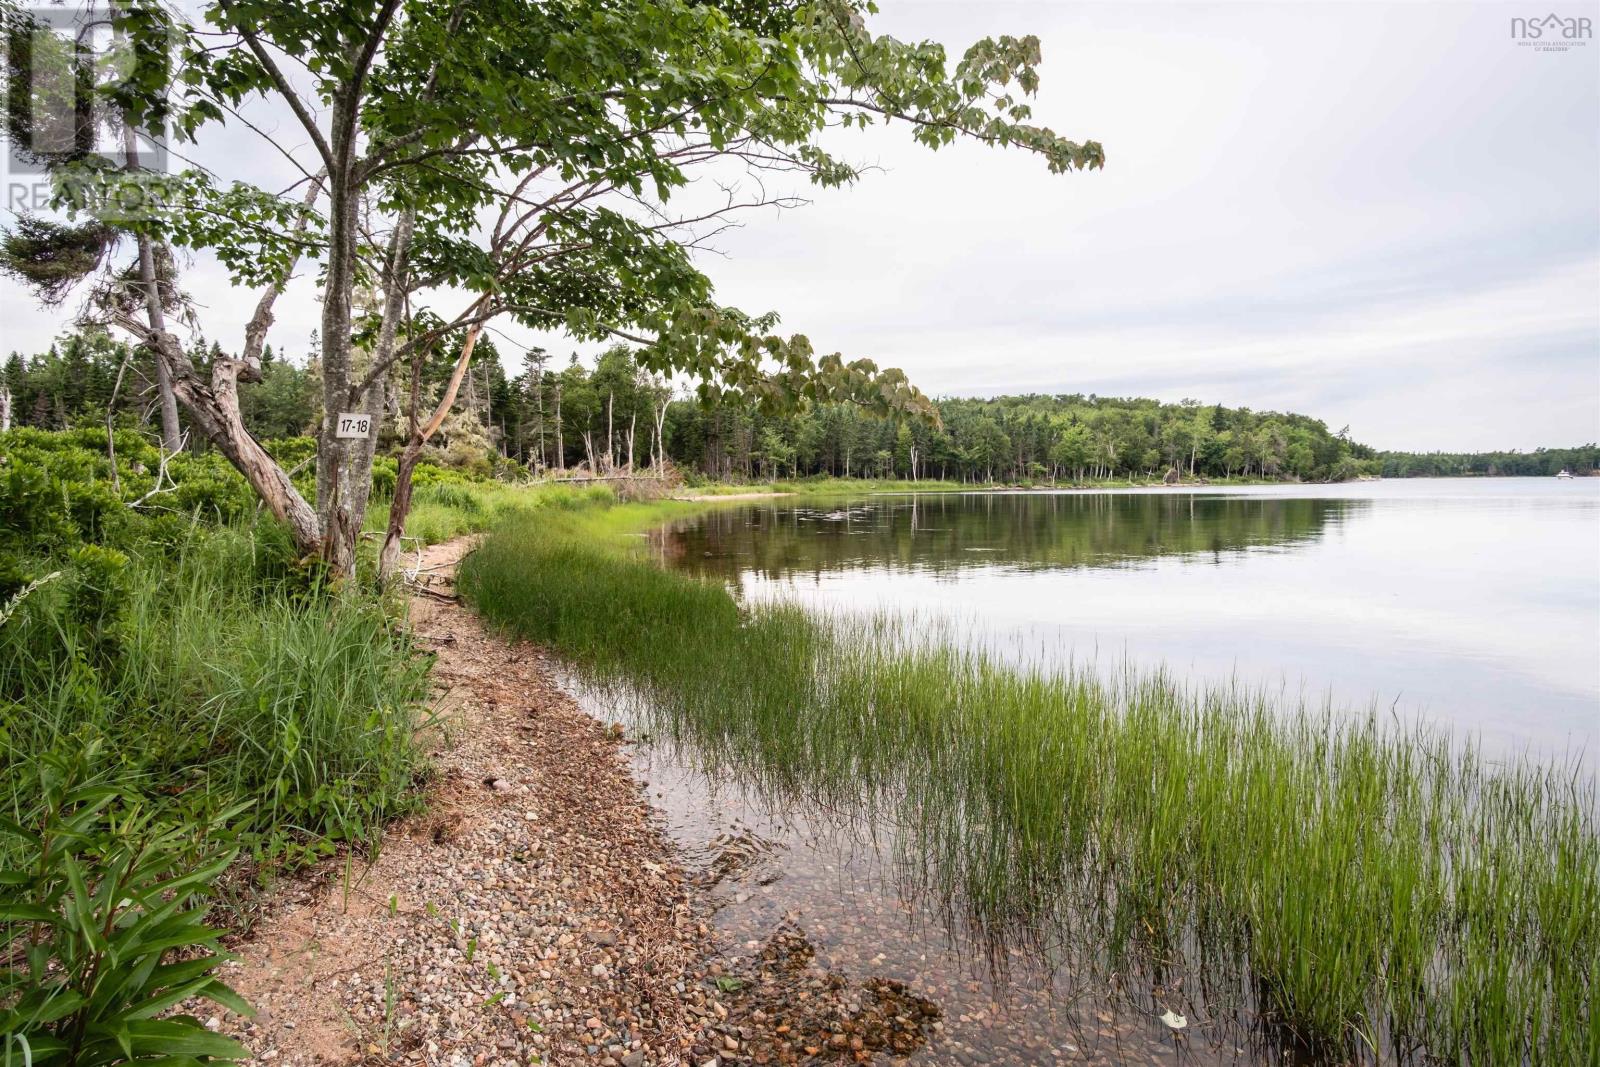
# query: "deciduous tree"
(573, 125)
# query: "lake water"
(1472, 604)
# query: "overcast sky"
(1382, 215)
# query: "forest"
(618, 416)
(1541, 462)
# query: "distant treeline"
(615, 415)
(1584, 459)
(1066, 437)
(75, 382)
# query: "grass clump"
(442, 510)
(214, 672)
(1386, 892)
(161, 621)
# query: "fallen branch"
(162, 475)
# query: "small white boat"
(1564, 474)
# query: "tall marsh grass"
(444, 510)
(212, 672)
(1389, 893)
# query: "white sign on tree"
(353, 424)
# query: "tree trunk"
(171, 435)
(352, 483)
(561, 444)
(400, 506)
(214, 409)
(488, 402)
(342, 465)
(538, 400)
(661, 443)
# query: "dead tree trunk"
(171, 439)
(488, 405)
(538, 403)
(400, 506)
(214, 409)
(561, 443)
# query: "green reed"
(218, 673)
(1389, 892)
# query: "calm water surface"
(1472, 604)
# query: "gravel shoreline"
(533, 912)
(536, 911)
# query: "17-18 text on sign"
(353, 424)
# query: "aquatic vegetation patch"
(1389, 892)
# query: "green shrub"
(293, 452)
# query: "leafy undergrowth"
(102, 888)
(176, 690)
(205, 661)
(1390, 893)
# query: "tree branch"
(285, 90)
